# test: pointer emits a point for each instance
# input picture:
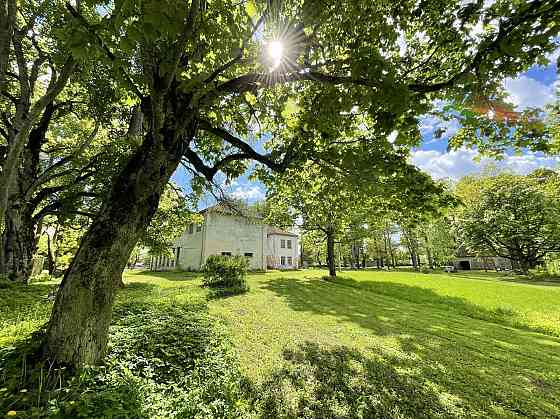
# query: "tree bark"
(330, 253)
(414, 259)
(19, 243)
(78, 328)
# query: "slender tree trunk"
(78, 328)
(414, 259)
(330, 253)
(51, 264)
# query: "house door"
(465, 265)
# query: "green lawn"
(369, 344)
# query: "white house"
(227, 232)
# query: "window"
(283, 244)
(226, 253)
(290, 260)
(191, 228)
(282, 260)
(248, 255)
(289, 244)
(199, 227)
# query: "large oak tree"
(203, 77)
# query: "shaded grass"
(23, 309)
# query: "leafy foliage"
(174, 213)
(168, 360)
(515, 217)
(226, 272)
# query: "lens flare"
(275, 50)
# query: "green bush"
(225, 272)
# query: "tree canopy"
(512, 216)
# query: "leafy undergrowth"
(168, 359)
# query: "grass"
(467, 337)
(367, 344)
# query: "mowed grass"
(368, 344)
(451, 335)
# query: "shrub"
(425, 270)
(225, 272)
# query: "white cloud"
(526, 92)
(247, 192)
(554, 55)
(456, 164)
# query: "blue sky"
(534, 88)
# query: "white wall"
(238, 235)
(275, 250)
(191, 249)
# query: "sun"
(275, 51)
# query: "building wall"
(237, 235)
(189, 246)
(487, 262)
(275, 251)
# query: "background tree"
(515, 217)
(175, 211)
(35, 68)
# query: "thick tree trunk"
(524, 266)
(330, 254)
(18, 244)
(78, 328)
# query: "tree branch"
(248, 151)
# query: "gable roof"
(273, 231)
(227, 208)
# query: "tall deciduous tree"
(203, 77)
(512, 216)
(34, 70)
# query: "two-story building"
(228, 232)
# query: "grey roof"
(227, 208)
(279, 232)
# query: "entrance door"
(465, 265)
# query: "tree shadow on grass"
(460, 348)
(339, 382)
(545, 280)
